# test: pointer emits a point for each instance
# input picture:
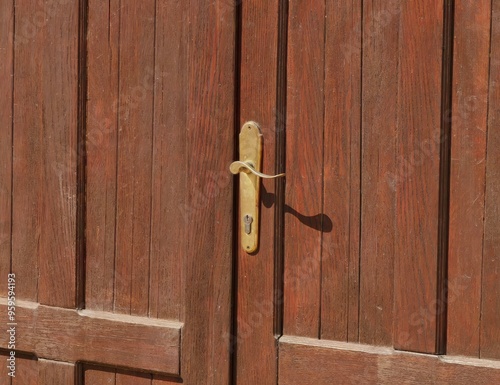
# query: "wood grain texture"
(165, 110)
(44, 164)
(97, 377)
(254, 342)
(134, 158)
(381, 20)
(210, 139)
(4, 371)
(6, 95)
(341, 185)
(102, 123)
(168, 225)
(100, 337)
(108, 376)
(27, 372)
(139, 379)
(304, 168)
(417, 188)
(490, 305)
(307, 361)
(379, 104)
(55, 373)
(468, 163)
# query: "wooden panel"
(417, 188)
(207, 271)
(102, 121)
(341, 185)
(308, 361)
(381, 20)
(468, 162)
(137, 113)
(169, 156)
(304, 167)
(92, 336)
(165, 124)
(490, 306)
(44, 189)
(51, 373)
(133, 202)
(255, 343)
(6, 92)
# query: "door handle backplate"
(249, 169)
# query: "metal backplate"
(251, 152)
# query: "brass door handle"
(249, 169)
(239, 166)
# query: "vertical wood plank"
(4, 371)
(138, 379)
(379, 180)
(102, 121)
(207, 271)
(26, 157)
(27, 372)
(304, 167)
(52, 372)
(168, 223)
(417, 189)
(135, 114)
(467, 182)
(341, 190)
(45, 125)
(97, 377)
(256, 346)
(490, 306)
(6, 95)
(157, 380)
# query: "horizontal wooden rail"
(92, 336)
(309, 361)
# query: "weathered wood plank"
(254, 342)
(4, 370)
(381, 20)
(45, 126)
(70, 335)
(27, 372)
(168, 224)
(134, 157)
(6, 95)
(51, 373)
(490, 306)
(137, 379)
(467, 181)
(102, 122)
(307, 361)
(207, 273)
(304, 167)
(418, 165)
(341, 186)
(98, 377)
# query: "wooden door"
(116, 203)
(379, 260)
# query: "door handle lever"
(239, 166)
(249, 169)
